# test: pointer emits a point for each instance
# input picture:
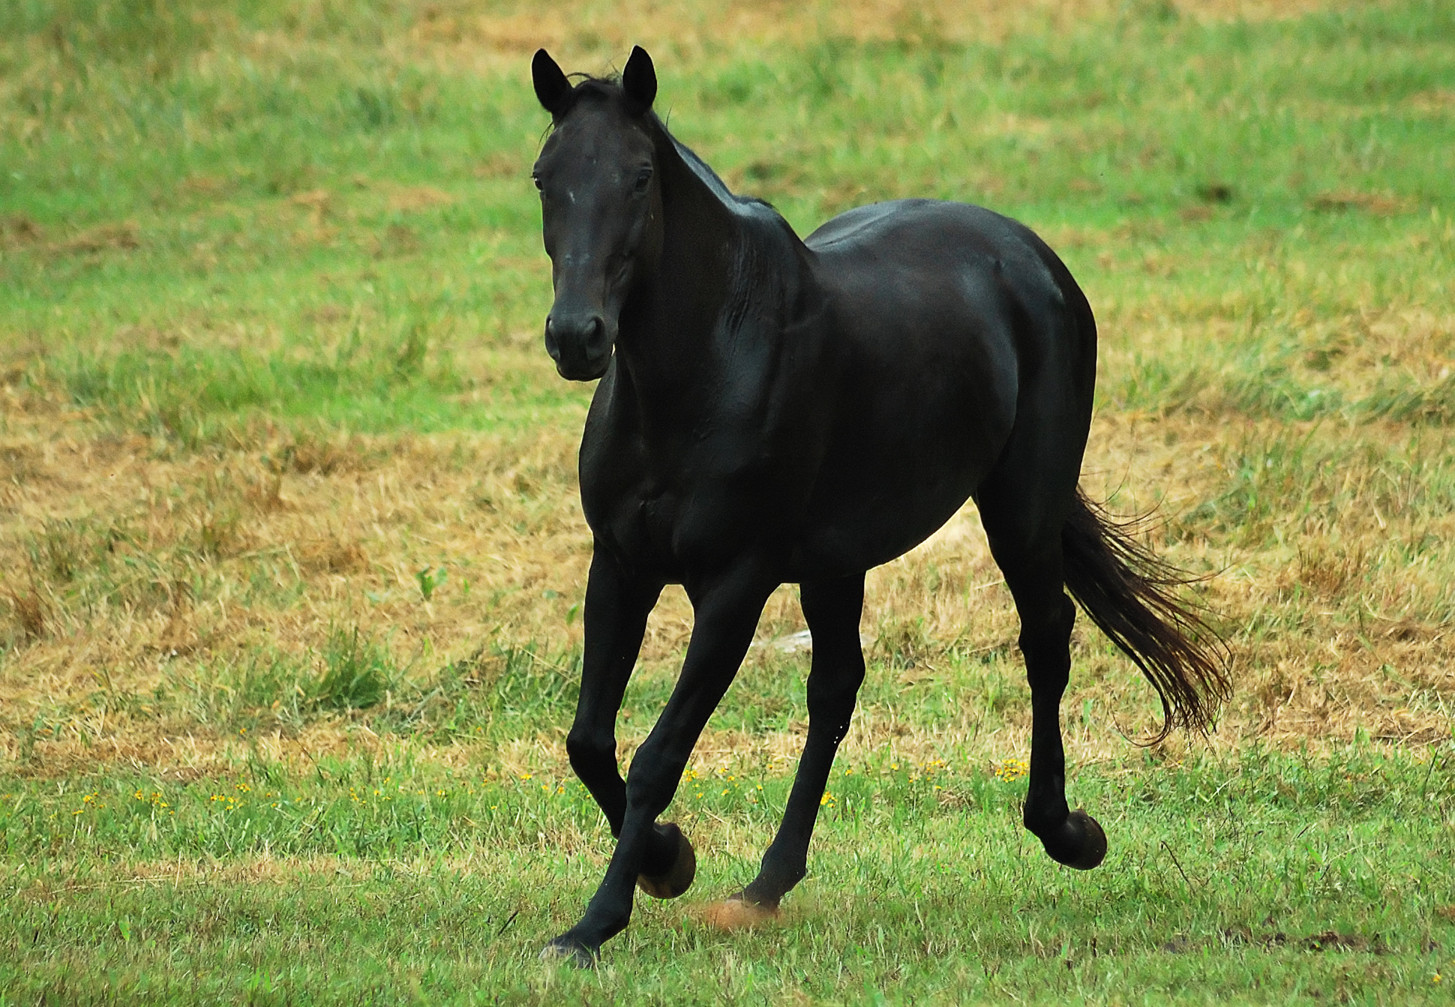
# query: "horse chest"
(641, 525)
(674, 518)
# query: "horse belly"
(874, 509)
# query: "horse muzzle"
(580, 345)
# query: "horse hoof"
(1093, 846)
(563, 950)
(677, 878)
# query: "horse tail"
(1133, 598)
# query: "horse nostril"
(595, 329)
(577, 342)
(583, 331)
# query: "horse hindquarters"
(1024, 505)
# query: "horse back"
(921, 287)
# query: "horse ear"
(552, 87)
(639, 81)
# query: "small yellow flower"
(1012, 769)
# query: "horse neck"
(721, 267)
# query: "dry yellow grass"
(351, 522)
(341, 526)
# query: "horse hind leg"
(1026, 543)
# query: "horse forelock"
(587, 87)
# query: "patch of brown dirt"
(19, 231)
(125, 236)
(412, 199)
(735, 914)
(1378, 204)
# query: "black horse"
(773, 411)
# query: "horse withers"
(774, 410)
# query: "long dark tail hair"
(1134, 598)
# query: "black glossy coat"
(774, 410)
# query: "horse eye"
(537, 180)
(644, 179)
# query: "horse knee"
(835, 677)
(834, 700)
(592, 753)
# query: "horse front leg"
(832, 610)
(615, 620)
(726, 614)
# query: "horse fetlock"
(765, 893)
(1045, 817)
(776, 878)
(572, 950)
(1078, 842)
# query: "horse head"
(601, 206)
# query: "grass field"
(291, 555)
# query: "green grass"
(1266, 878)
(291, 563)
